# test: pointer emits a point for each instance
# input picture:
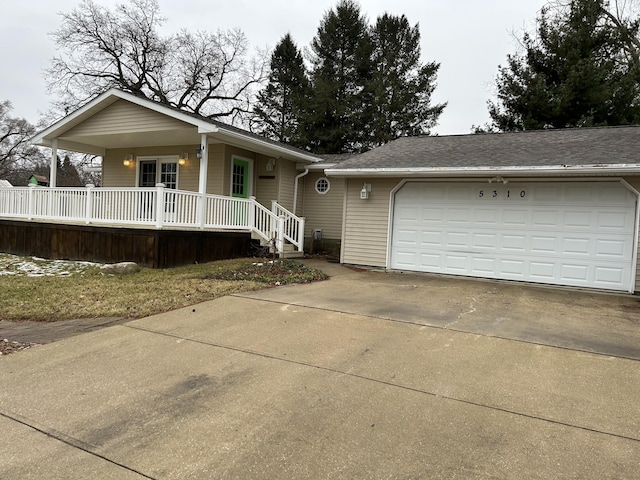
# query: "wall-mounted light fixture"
(498, 179)
(128, 160)
(199, 152)
(182, 160)
(270, 164)
(366, 190)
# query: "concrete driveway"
(367, 375)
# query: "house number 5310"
(507, 194)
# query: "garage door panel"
(614, 249)
(576, 246)
(608, 276)
(456, 263)
(545, 218)
(578, 234)
(433, 215)
(515, 217)
(574, 273)
(512, 268)
(542, 271)
(578, 219)
(432, 239)
(431, 262)
(486, 217)
(545, 193)
(613, 221)
(485, 241)
(458, 240)
(409, 215)
(544, 245)
(514, 243)
(483, 266)
(459, 215)
(407, 238)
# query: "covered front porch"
(166, 170)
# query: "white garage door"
(577, 234)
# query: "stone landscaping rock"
(122, 268)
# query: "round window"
(322, 185)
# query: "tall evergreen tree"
(279, 105)
(335, 121)
(401, 85)
(68, 175)
(570, 75)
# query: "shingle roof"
(232, 128)
(541, 148)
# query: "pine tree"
(68, 175)
(335, 121)
(279, 107)
(400, 84)
(570, 75)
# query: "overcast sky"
(469, 38)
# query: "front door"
(240, 178)
(152, 172)
(241, 186)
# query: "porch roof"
(187, 129)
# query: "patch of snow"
(40, 267)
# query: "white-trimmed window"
(322, 185)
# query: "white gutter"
(284, 152)
(613, 169)
(295, 189)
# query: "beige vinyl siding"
(635, 183)
(218, 171)
(125, 117)
(287, 173)
(266, 182)
(115, 174)
(322, 211)
(366, 223)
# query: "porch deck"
(157, 227)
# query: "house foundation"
(149, 248)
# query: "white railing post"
(159, 204)
(274, 207)
(88, 214)
(252, 213)
(301, 234)
(280, 235)
(201, 214)
(30, 205)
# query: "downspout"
(295, 189)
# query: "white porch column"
(54, 163)
(202, 184)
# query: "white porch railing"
(155, 207)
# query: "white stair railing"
(293, 225)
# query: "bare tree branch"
(207, 73)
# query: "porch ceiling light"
(183, 158)
(128, 160)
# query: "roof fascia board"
(613, 169)
(271, 147)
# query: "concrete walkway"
(367, 375)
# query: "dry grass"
(90, 293)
